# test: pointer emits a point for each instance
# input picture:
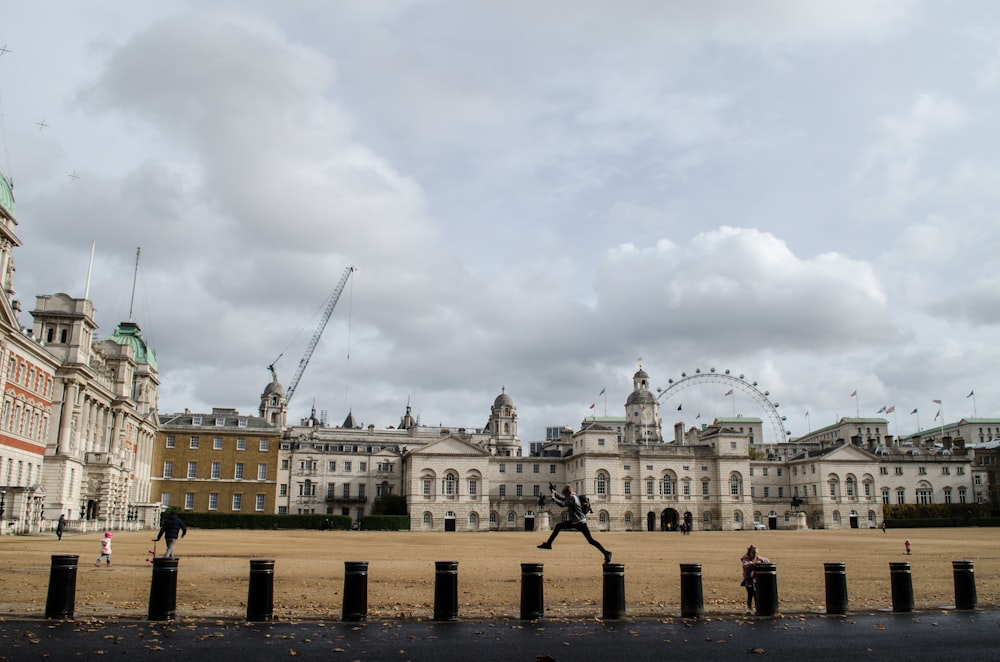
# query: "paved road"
(937, 635)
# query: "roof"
(128, 333)
(6, 195)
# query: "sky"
(538, 198)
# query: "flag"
(937, 402)
(807, 414)
(698, 416)
(891, 409)
(678, 407)
(601, 393)
(937, 414)
(971, 393)
(854, 393)
(729, 392)
(914, 411)
(594, 404)
(881, 410)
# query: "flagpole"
(972, 394)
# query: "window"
(536, 490)
(734, 485)
(450, 484)
(189, 501)
(767, 492)
(165, 499)
(238, 474)
(237, 502)
(885, 495)
(511, 519)
(649, 488)
(627, 488)
(168, 469)
(473, 487)
(850, 486)
(331, 465)
(535, 468)
(602, 484)
(899, 471)
(347, 490)
(687, 488)
(704, 488)
(962, 497)
(259, 505)
(503, 468)
(781, 492)
(552, 468)
(283, 489)
(284, 464)
(900, 497)
(194, 442)
(362, 467)
(265, 444)
(519, 490)
(261, 471)
(217, 470)
(503, 490)
(884, 471)
(945, 471)
(518, 468)
(196, 420)
(347, 465)
(922, 471)
(213, 501)
(171, 441)
(217, 444)
(241, 444)
(427, 487)
(192, 470)
(960, 471)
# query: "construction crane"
(327, 311)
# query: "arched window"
(493, 518)
(601, 485)
(603, 518)
(735, 485)
(450, 484)
(850, 486)
(511, 518)
(669, 486)
(628, 517)
(473, 520)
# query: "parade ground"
(213, 571)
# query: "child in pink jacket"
(105, 549)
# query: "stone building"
(79, 414)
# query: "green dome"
(128, 333)
(6, 195)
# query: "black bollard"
(614, 590)
(62, 586)
(902, 586)
(532, 592)
(260, 593)
(766, 579)
(692, 598)
(965, 584)
(445, 590)
(836, 588)
(163, 590)
(355, 591)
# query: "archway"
(772, 520)
(668, 519)
(449, 521)
(854, 519)
(529, 521)
(651, 521)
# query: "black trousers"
(579, 526)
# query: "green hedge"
(245, 521)
(944, 511)
(384, 523)
(932, 522)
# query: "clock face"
(647, 416)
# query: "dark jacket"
(171, 527)
(575, 513)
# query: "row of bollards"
(60, 601)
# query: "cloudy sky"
(534, 196)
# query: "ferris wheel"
(729, 387)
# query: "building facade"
(216, 462)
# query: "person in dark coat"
(576, 520)
(60, 526)
(172, 526)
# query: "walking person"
(60, 527)
(576, 520)
(172, 526)
(105, 550)
(906, 544)
(749, 562)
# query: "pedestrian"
(60, 526)
(172, 526)
(105, 550)
(576, 519)
(906, 544)
(883, 526)
(749, 562)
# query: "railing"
(347, 500)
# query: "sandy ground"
(213, 572)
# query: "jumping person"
(575, 520)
